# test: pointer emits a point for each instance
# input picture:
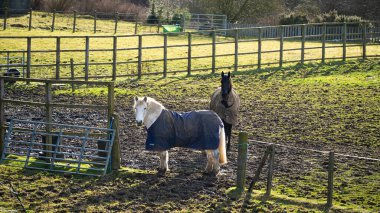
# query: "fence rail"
(130, 58)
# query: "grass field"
(332, 106)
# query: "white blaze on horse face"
(140, 111)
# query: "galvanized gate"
(68, 148)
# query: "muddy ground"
(295, 122)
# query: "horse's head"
(140, 106)
(226, 86)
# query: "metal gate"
(206, 22)
(68, 148)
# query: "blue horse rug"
(195, 130)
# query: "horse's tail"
(222, 147)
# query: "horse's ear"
(222, 73)
(136, 98)
(229, 74)
(146, 99)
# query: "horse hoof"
(162, 172)
(210, 173)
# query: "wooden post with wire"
(270, 169)
(5, 18)
(53, 21)
(242, 160)
(213, 57)
(344, 38)
(57, 57)
(139, 58)
(281, 46)
(236, 55)
(116, 154)
(30, 19)
(75, 21)
(303, 44)
(189, 54)
(165, 55)
(116, 21)
(364, 40)
(324, 31)
(259, 48)
(72, 73)
(330, 186)
(95, 19)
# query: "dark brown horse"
(226, 102)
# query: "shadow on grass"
(263, 198)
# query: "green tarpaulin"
(171, 28)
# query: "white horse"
(202, 130)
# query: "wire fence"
(323, 178)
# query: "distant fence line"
(364, 39)
(333, 30)
(194, 22)
(74, 15)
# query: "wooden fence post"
(259, 49)
(270, 170)
(57, 57)
(189, 53)
(330, 186)
(236, 61)
(2, 116)
(303, 44)
(114, 58)
(5, 18)
(165, 54)
(116, 154)
(28, 56)
(116, 21)
(49, 119)
(242, 160)
(324, 31)
(136, 27)
(95, 19)
(158, 26)
(364, 40)
(75, 21)
(30, 19)
(53, 21)
(139, 65)
(72, 73)
(281, 45)
(344, 38)
(111, 101)
(213, 52)
(86, 58)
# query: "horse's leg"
(228, 130)
(209, 161)
(164, 161)
(215, 159)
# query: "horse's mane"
(153, 104)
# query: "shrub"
(293, 19)
(176, 19)
(333, 16)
